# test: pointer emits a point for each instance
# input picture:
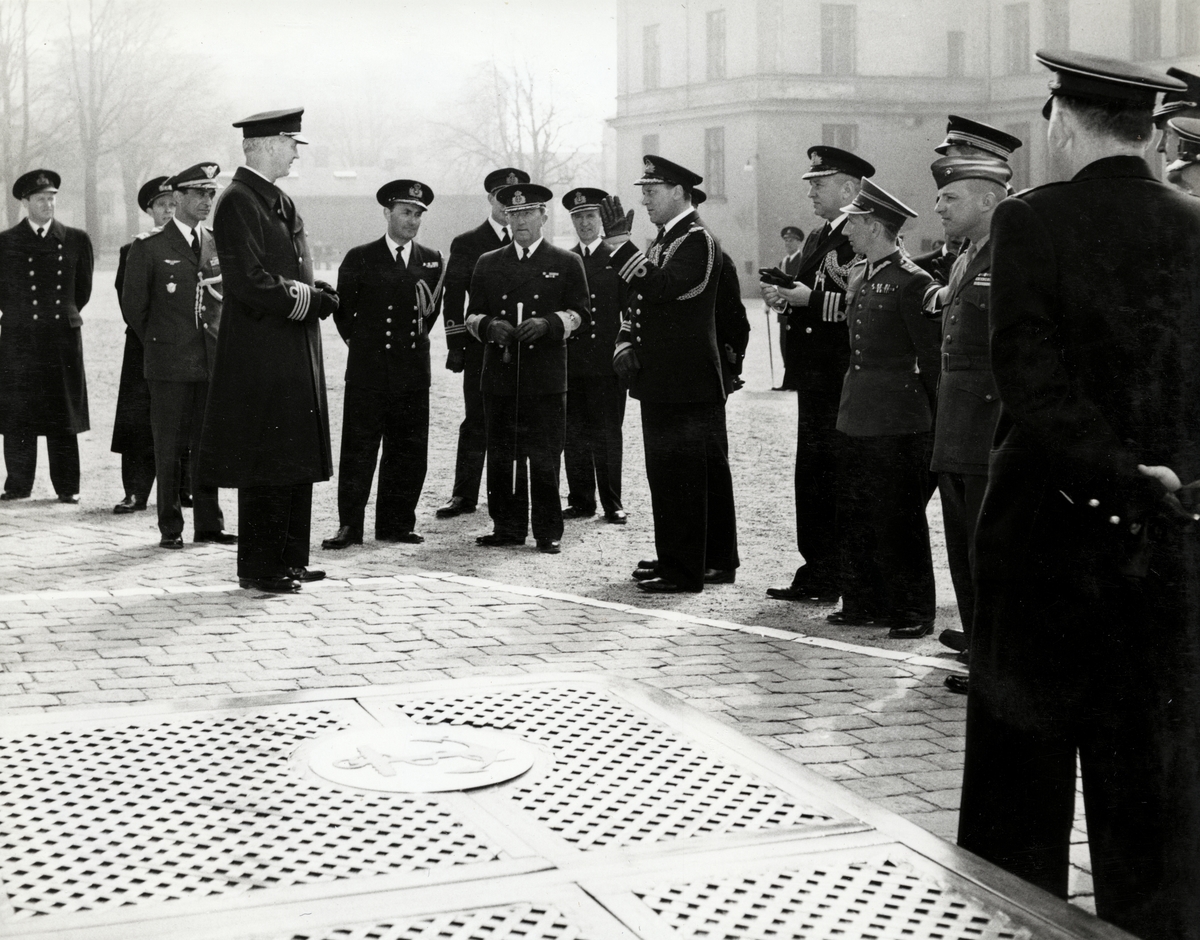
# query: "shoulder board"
(154, 231)
(909, 265)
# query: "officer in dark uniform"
(465, 352)
(389, 291)
(1184, 171)
(818, 353)
(733, 326)
(668, 353)
(595, 396)
(885, 419)
(964, 138)
(266, 429)
(132, 436)
(1086, 642)
(172, 300)
(1181, 104)
(969, 189)
(527, 299)
(793, 244)
(45, 280)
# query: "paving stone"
(903, 748)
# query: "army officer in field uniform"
(45, 280)
(389, 291)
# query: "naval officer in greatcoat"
(45, 281)
(390, 290)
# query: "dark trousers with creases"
(472, 433)
(594, 445)
(530, 430)
(399, 420)
(962, 496)
(20, 459)
(691, 489)
(817, 443)
(177, 417)
(274, 523)
(886, 562)
(138, 472)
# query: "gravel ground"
(597, 558)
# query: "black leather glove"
(456, 360)
(626, 364)
(322, 304)
(500, 332)
(532, 330)
(775, 277)
(614, 218)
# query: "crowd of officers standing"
(1041, 370)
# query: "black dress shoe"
(127, 505)
(410, 537)
(456, 507)
(175, 542)
(662, 586)
(720, 575)
(185, 500)
(957, 684)
(280, 585)
(549, 546)
(496, 540)
(955, 639)
(910, 630)
(644, 574)
(651, 563)
(70, 499)
(803, 592)
(847, 618)
(306, 574)
(6, 495)
(217, 536)
(346, 535)
(617, 517)
(575, 512)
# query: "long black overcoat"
(44, 283)
(267, 421)
(131, 422)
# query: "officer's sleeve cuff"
(621, 347)
(477, 326)
(301, 293)
(571, 321)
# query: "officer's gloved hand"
(500, 332)
(614, 218)
(532, 330)
(456, 360)
(626, 364)
(329, 299)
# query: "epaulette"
(907, 264)
(154, 231)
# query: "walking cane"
(770, 342)
(517, 409)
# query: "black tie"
(41, 231)
(399, 256)
(504, 239)
(196, 242)
(586, 251)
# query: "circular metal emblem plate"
(420, 759)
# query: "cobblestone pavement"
(94, 615)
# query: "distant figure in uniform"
(389, 290)
(885, 419)
(45, 280)
(1176, 104)
(668, 353)
(1086, 643)
(818, 354)
(133, 437)
(172, 299)
(465, 352)
(964, 138)
(793, 244)
(527, 299)
(266, 429)
(595, 396)
(968, 404)
(1184, 171)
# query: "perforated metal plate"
(518, 922)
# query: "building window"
(1187, 26)
(1057, 23)
(714, 161)
(842, 136)
(651, 74)
(1145, 35)
(956, 57)
(715, 69)
(650, 143)
(1016, 39)
(838, 50)
(1019, 161)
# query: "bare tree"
(513, 122)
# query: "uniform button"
(389, 319)
(502, 297)
(1115, 520)
(35, 315)
(858, 322)
(535, 296)
(953, 319)
(57, 317)
(60, 272)
(856, 368)
(987, 397)
(31, 274)
(858, 352)
(35, 304)
(57, 302)
(389, 307)
(593, 336)
(59, 286)
(410, 334)
(593, 296)
(808, 329)
(388, 333)
(387, 345)
(31, 262)
(502, 312)
(33, 287)
(60, 257)
(638, 310)
(414, 346)
(858, 336)
(949, 339)
(638, 338)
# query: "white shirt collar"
(793, 254)
(405, 251)
(526, 252)
(256, 173)
(183, 227)
(500, 230)
(34, 226)
(592, 246)
(670, 225)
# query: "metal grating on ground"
(518, 922)
(618, 778)
(190, 808)
(878, 898)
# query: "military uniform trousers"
(691, 489)
(885, 559)
(20, 459)
(400, 421)
(817, 442)
(274, 526)
(177, 418)
(472, 433)
(529, 429)
(132, 437)
(594, 445)
(962, 495)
